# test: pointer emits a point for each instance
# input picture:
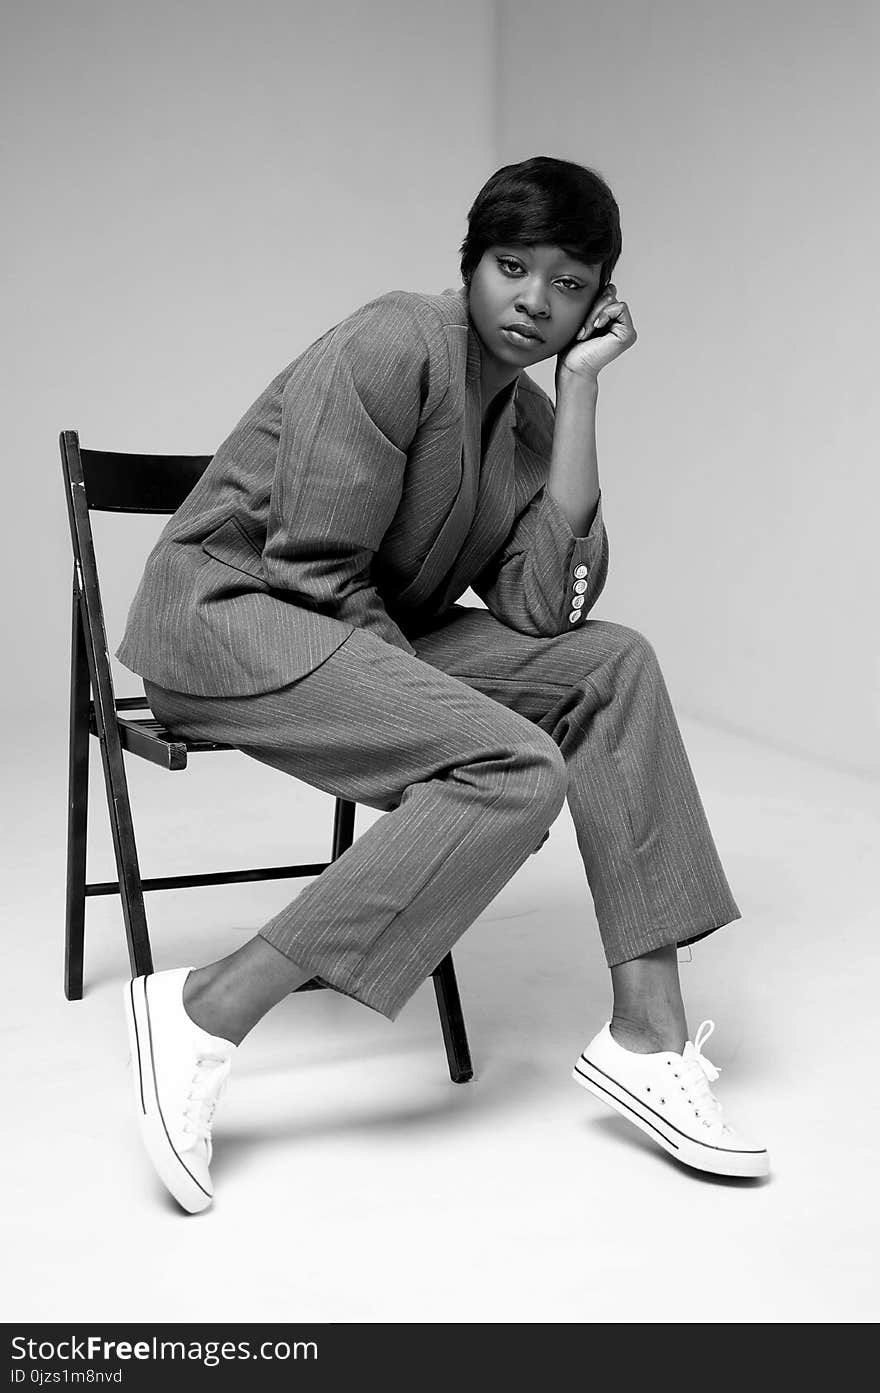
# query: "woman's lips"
(521, 340)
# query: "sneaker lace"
(698, 1072)
(208, 1080)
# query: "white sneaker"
(179, 1072)
(667, 1096)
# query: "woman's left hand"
(610, 323)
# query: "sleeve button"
(580, 572)
(574, 616)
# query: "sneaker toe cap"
(192, 1186)
(752, 1152)
(737, 1140)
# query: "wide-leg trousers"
(470, 748)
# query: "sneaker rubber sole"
(168, 1163)
(700, 1156)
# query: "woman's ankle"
(649, 1035)
(648, 1011)
(228, 997)
(207, 1009)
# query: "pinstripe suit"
(301, 605)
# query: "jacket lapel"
(495, 507)
(466, 461)
(483, 509)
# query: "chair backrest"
(124, 483)
(99, 480)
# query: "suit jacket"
(353, 493)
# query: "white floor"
(354, 1181)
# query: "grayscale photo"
(442, 697)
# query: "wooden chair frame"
(98, 480)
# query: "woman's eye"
(511, 268)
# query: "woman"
(300, 605)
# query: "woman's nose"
(532, 301)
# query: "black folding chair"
(97, 480)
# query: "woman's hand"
(610, 323)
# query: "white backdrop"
(738, 439)
(198, 191)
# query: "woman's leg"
(650, 860)
(468, 788)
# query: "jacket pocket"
(230, 544)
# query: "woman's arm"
(574, 469)
(573, 479)
(552, 567)
(554, 554)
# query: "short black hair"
(549, 201)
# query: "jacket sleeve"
(349, 413)
(544, 580)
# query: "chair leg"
(121, 824)
(77, 810)
(343, 827)
(452, 1021)
(122, 828)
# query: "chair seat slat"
(157, 731)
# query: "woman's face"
(539, 287)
